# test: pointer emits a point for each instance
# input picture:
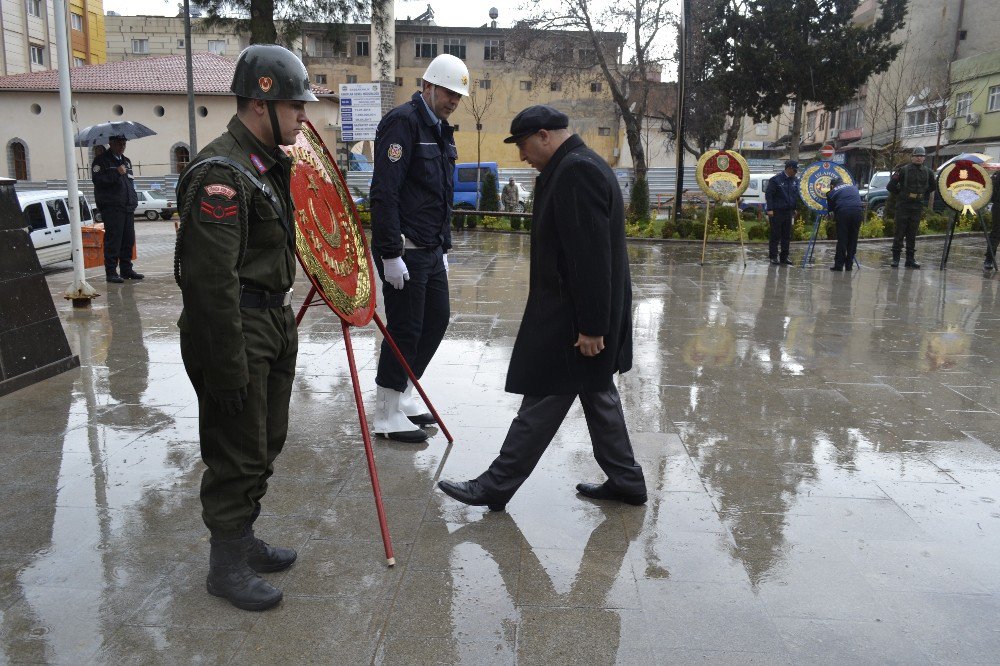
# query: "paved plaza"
(821, 451)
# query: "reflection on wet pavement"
(821, 452)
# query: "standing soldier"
(509, 196)
(235, 264)
(995, 228)
(911, 184)
(782, 197)
(114, 192)
(411, 198)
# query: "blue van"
(466, 186)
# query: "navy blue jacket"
(412, 188)
(843, 198)
(782, 192)
(112, 189)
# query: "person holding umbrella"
(114, 191)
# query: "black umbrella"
(101, 133)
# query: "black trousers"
(848, 228)
(239, 451)
(994, 233)
(536, 424)
(119, 238)
(907, 223)
(781, 232)
(416, 315)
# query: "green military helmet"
(271, 72)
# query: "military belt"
(256, 298)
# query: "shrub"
(638, 202)
(888, 226)
(830, 228)
(365, 218)
(489, 199)
(727, 217)
(799, 230)
(515, 223)
(669, 229)
(760, 232)
(873, 227)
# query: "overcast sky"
(467, 13)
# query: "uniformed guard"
(235, 264)
(411, 198)
(911, 184)
(782, 197)
(114, 192)
(844, 202)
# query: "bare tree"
(569, 40)
(478, 103)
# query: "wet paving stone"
(820, 450)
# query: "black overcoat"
(579, 280)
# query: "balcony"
(920, 130)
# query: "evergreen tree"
(489, 199)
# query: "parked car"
(754, 195)
(466, 185)
(46, 215)
(878, 182)
(154, 204)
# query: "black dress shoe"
(602, 492)
(787, 262)
(132, 275)
(114, 277)
(912, 264)
(837, 268)
(422, 419)
(471, 493)
(406, 436)
(895, 263)
(775, 262)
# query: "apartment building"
(132, 37)
(497, 82)
(28, 29)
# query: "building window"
(455, 46)
(320, 79)
(217, 46)
(963, 104)
(352, 78)
(78, 61)
(916, 121)
(427, 47)
(140, 46)
(454, 128)
(555, 86)
(179, 157)
(420, 82)
(485, 84)
(17, 160)
(587, 56)
(180, 43)
(322, 48)
(525, 85)
(35, 8)
(852, 116)
(37, 54)
(993, 104)
(603, 131)
(811, 122)
(399, 81)
(493, 49)
(76, 21)
(596, 86)
(361, 45)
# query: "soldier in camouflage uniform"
(911, 184)
(235, 264)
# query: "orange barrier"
(93, 246)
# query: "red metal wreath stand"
(312, 300)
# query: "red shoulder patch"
(219, 189)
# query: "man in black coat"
(114, 191)
(844, 203)
(577, 326)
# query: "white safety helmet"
(448, 72)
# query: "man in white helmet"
(411, 196)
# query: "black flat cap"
(791, 163)
(535, 118)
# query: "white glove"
(395, 271)
(444, 257)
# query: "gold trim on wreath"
(965, 186)
(723, 175)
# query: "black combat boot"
(895, 261)
(265, 558)
(230, 576)
(911, 263)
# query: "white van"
(46, 214)
(754, 196)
